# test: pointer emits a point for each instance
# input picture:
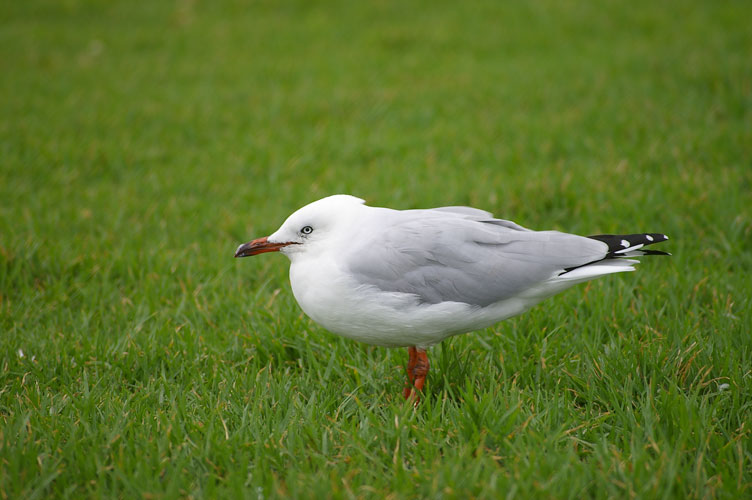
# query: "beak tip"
(239, 251)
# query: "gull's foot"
(418, 374)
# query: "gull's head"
(307, 229)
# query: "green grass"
(140, 142)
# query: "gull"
(412, 278)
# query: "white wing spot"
(650, 238)
(625, 243)
(665, 237)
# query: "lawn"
(141, 142)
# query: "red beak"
(261, 245)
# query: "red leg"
(420, 371)
(412, 359)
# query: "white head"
(307, 228)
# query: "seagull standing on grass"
(411, 278)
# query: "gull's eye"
(306, 230)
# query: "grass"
(141, 142)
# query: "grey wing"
(475, 214)
(478, 261)
(469, 212)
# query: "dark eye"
(306, 230)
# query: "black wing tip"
(620, 244)
(618, 249)
(654, 252)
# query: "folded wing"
(459, 255)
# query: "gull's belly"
(365, 313)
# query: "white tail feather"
(599, 268)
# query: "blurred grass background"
(140, 142)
